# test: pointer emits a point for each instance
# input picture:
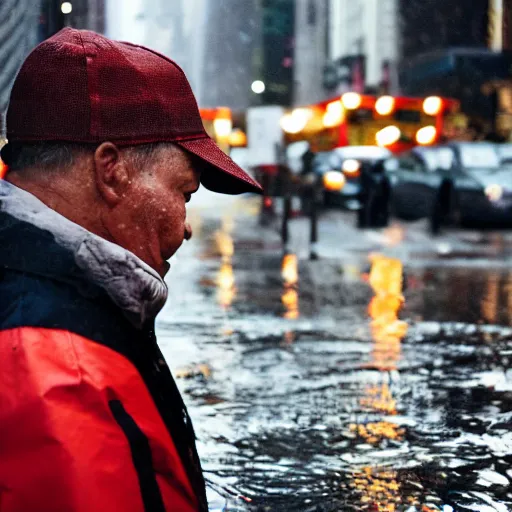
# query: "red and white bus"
(395, 122)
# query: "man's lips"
(188, 231)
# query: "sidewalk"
(340, 239)
(341, 245)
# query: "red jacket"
(90, 416)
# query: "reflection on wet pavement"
(379, 488)
(225, 277)
(450, 294)
(290, 296)
(387, 330)
(363, 401)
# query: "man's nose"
(188, 231)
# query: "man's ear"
(110, 172)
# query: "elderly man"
(105, 148)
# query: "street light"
(66, 7)
(258, 87)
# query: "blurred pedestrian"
(374, 196)
(307, 159)
(105, 147)
(309, 185)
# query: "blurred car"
(455, 183)
(345, 165)
(505, 153)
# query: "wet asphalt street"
(376, 378)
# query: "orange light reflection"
(380, 489)
(379, 398)
(387, 330)
(290, 295)
(225, 279)
(508, 288)
(489, 303)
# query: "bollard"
(313, 224)
(285, 232)
(364, 212)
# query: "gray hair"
(60, 155)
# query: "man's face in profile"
(151, 217)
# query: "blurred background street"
(344, 341)
(308, 393)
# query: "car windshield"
(431, 158)
(334, 159)
(479, 156)
(436, 158)
(327, 159)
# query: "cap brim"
(222, 174)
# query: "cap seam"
(87, 75)
(94, 121)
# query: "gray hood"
(89, 260)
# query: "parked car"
(346, 164)
(505, 152)
(456, 183)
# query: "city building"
(226, 46)
(212, 41)
(19, 33)
(125, 21)
(81, 14)
(174, 29)
(363, 46)
(85, 14)
(25, 23)
(451, 50)
(310, 50)
(231, 55)
(432, 25)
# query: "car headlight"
(494, 192)
(351, 168)
(334, 181)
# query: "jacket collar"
(37, 239)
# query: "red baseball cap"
(79, 86)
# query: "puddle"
(314, 389)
